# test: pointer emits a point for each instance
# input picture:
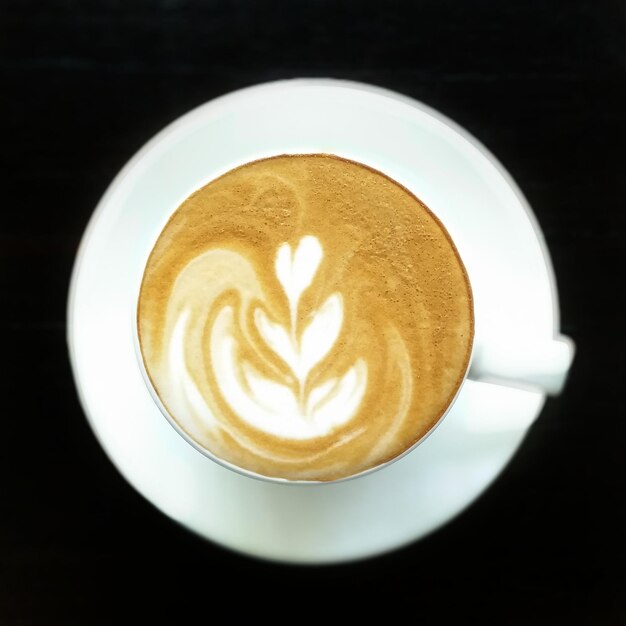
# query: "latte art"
(297, 348)
(284, 399)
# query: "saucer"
(497, 237)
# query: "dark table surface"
(85, 84)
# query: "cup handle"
(539, 365)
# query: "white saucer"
(496, 234)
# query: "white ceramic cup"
(522, 360)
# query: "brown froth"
(405, 297)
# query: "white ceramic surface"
(499, 241)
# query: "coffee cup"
(307, 319)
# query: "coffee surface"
(305, 317)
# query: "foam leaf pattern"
(320, 335)
(295, 270)
(296, 273)
(258, 394)
(277, 338)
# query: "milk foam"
(287, 408)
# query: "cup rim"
(276, 479)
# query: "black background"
(85, 84)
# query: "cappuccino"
(305, 317)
